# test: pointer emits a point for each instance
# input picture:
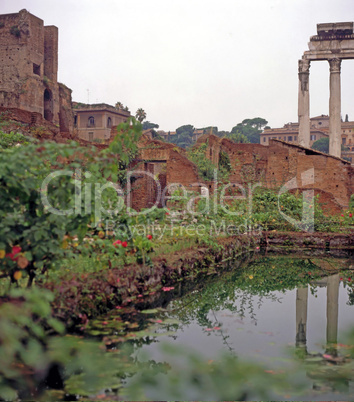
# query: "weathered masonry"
(29, 67)
(334, 42)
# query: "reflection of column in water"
(332, 308)
(301, 316)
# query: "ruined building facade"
(279, 165)
(29, 67)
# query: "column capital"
(304, 74)
(304, 66)
(334, 65)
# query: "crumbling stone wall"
(29, 66)
(274, 166)
(27, 123)
(166, 163)
(66, 115)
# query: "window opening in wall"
(295, 138)
(75, 120)
(264, 139)
(48, 105)
(91, 122)
(36, 69)
(312, 137)
(290, 138)
(109, 122)
(90, 136)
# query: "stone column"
(304, 103)
(301, 316)
(335, 126)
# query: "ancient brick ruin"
(164, 163)
(272, 167)
(29, 67)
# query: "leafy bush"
(8, 140)
(205, 166)
(33, 235)
(35, 363)
(25, 222)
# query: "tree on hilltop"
(140, 114)
(186, 129)
(251, 128)
(148, 125)
(238, 138)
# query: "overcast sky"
(198, 62)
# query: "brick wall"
(29, 64)
(168, 164)
(66, 115)
(277, 164)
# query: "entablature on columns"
(333, 40)
(327, 54)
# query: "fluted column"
(335, 129)
(304, 103)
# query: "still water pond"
(264, 313)
(261, 327)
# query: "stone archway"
(48, 105)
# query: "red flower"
(342, 215)
(15, 250)
(350, 215)
(124, 244)
(349, 279)
(117, 242)
(167, 213)
(167, 288)
(149, 237)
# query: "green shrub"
(8, 140)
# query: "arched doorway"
(48, 105)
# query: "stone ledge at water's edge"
(82, 297)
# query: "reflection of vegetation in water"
(243, 290)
